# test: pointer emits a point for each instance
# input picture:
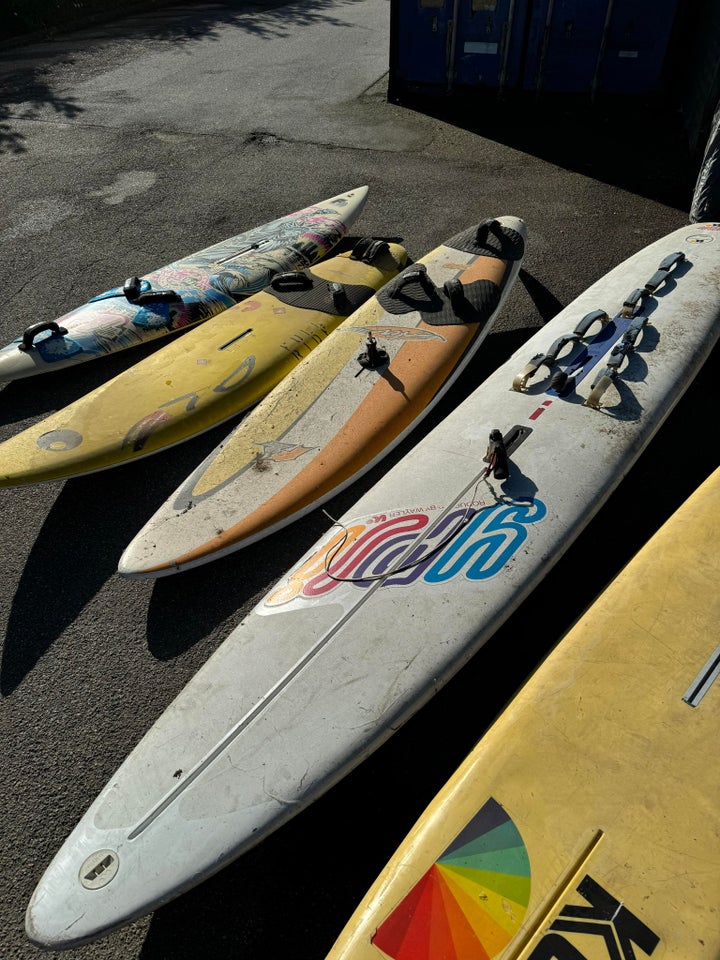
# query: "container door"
(420, 41)
(637, 40)
(565, 41)
(487, 48)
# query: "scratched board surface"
(183, 293)
(203, 378)
(336, 415)
(585, 824)
(391, 602)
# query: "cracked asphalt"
(132, 143)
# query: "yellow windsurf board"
(211, 373)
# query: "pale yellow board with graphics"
(586, 823)
(203, 378)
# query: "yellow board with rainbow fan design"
(470, 902)
(585, 825)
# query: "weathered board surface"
(585, 823)
(384, 610)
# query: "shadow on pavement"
(50, 597)
(22, 93)
(606, 141)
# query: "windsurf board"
(396, 597)
(585, 822)
(341, 410)
(203, 378)
(183, 293)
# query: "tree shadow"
(23, 94)
(28, 86)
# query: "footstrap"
(550, 358)
(630, 310)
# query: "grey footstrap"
(550, 358)
(618, 353)
(632, 307)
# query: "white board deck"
(321, 672)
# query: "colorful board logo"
(395, 333)
(472, 900)
(405, 546)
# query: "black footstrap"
(490, 238)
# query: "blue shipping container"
(558, 46)
(439, 45)
(564, 45)
(420, 44)
(487, 44)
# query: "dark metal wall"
(666, 50)
(695, 67)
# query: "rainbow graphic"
(472, 900)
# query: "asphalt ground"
(131, 144)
